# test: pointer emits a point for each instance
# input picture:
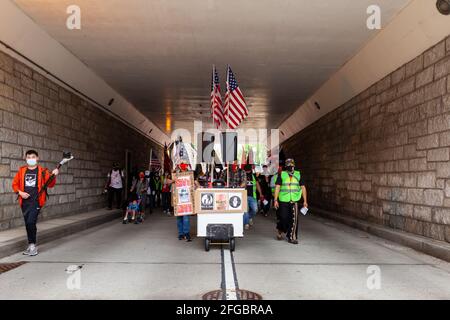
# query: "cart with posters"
(220, 215)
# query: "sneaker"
(169, 214)
(293, 241)
(125, 221)
(180, 237)
(251, 222)
(33, 251)
(26, 252)
(246, 227)
(188, 238)
(165, 211)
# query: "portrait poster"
(221, 201)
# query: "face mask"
(290, 169)
(31, 162)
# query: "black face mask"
(290, 169)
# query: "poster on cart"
(220, 200)
(235, 201)
(183, 195)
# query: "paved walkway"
(148, 262)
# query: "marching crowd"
(282, 191)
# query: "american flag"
(216, 99)
(235, 108)
(154, 161)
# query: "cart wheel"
(207, 242)
(232, 244)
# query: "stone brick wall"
(384, 155)
(36, 113)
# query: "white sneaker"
(27, 251)
(246, 227)
(251, 222)
(33, 251)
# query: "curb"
(18, 244)
(435, 248)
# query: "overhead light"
(443, 6)
(317, 105)
(150, 131)
(111, 102)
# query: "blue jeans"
(252, 208)
(184, 225)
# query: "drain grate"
(213, 295)
(5, 267)
(248, 295)
(243, 295)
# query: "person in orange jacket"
(27, 184)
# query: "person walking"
(290, 188)
(183, 222)
(28, 184)
(252, 186)
(114, 186)
(158, 190)
(149, 196)
(264, 180)
(166, 193)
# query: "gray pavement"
(148, 262)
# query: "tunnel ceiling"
(158, 54)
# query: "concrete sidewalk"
(435, 248)
(14, 240)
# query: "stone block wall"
(384, 155)
(36, 113)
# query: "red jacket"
(43, 176)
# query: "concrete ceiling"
(158, 54)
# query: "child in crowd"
(133, 210)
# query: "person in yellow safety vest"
(289, 190)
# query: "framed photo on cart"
(183, 193)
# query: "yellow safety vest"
(290, 189)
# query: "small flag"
(216, 99)
(235, 108)
(154, 162)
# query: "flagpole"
(150, 162)
(228, 126)
(214, 94)
(228, 89)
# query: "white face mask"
(31, 162)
